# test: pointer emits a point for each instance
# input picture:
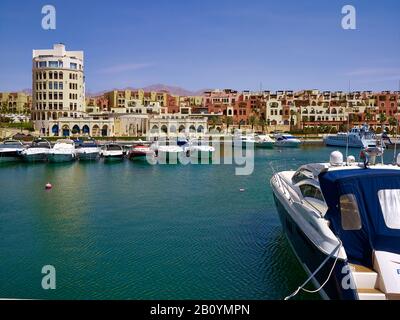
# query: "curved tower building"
(58, 87)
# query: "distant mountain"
(174, 90)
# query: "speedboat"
(246, 141)
(63, 151)
(199, 149)
(141, 151)
(264, 141)
(181, 141)
(37, 151)
(168, 153)
(88, 150)
(357, 137)
(286, 140)
(112, 151)
(10, 150)
(342, 222)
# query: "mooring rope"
(315, 272)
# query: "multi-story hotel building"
(58, 87)
(15, 102)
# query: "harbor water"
(129, 230)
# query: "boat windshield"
(364, 210)
(89, 144)
(114, 147)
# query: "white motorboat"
(63, 151)
(286, 140)
(358, 137)
(37, 151)
(141, 151)
(10, 150)
(264, 141)
(342, 221)
(112, 151)
(168, 153)
(88, 150)
(245, 141)
(199, 149)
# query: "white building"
(58, 87)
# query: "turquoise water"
(134, 231)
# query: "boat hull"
(140, 156)
(11, 156)
(169, 157)
(352, 143)
(265, 145)
(38, 157)
(88, 156)
(114, 157)
(287, 144)
(201, 155)
(310, 258)
(60, 157)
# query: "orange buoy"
(48, 186)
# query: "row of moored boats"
(65, 150)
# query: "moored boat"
(88, 150)
(263, 141)
(10, 150)
(200, 150)
(286, 140)
(112, 151)
(62, 151)
(170, 154)
(357, 137)
(341, 220)
(37, 152)
(141, 151)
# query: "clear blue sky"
(200, 44)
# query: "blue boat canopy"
(364, 210)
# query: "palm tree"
(252, 121)
(368, 116)
(262, 123)
(292, 114)
(213, 121)
(228, 121)
(382, 118)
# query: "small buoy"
(241, 189)
(48, 186)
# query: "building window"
(60, 85)
(50, 85)
(53, 64)
(42, 64)
(50, 75)
(61, 76)
(73, 65)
